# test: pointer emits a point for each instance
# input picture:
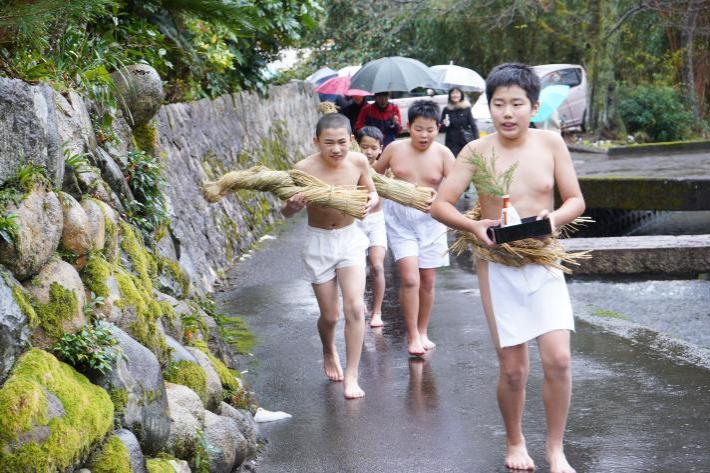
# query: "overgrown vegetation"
(232, 329)
(92, 350)
(201, 49)
(655, 113)
(144, 176)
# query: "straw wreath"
(351, 200)
(403, 192)
(547, 251)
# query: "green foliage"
(657, 111)
(487, 180)
(200, 462)
(78, 163)
(159, 465)
(27, 176)
(145, 176)
(202, 48)
(113, 457)
(9, 229)
(93, 350)
(87, 416)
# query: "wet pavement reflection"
(631, 411)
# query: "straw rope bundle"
(351, 200)
(403, 192)
(327, 107)
(547, 251)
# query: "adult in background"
(383, 115)
(457, 121)
(351, 108)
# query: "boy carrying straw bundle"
(531, 301)
(334, 247)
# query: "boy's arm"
(443, 209)
(383, 162)
(296, 202)
(366, 181)
(567, 185)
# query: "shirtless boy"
(417, 241)
(334, 248)
(371, 140)
(531, 302)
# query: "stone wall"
(203, 140)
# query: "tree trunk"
(687, 38)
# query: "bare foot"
(352, 389)
(427, 344)
(376, 320)
(331, 366)
(517, 458)
(415, 347)
(558, 462)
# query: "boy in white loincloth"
(370, 140)
(334, 248)
(417, 241)
(531, 302)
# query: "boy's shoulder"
(358, 158)
(307, 161)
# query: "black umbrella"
(391, 74)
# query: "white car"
(572, 112)
(405, 99)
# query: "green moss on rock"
(159, 465)
(143, 262)
(22, 300)
(188, 374)
(226, 375)
(166, 265)
(96, 273)
(112, 458)
(87, 415)
(144, 329)
(62, 305)
(145, 137)
(119, 398)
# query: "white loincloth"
(411, 232)
(528, 302)
(374, 227)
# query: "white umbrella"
(450, 75)
(321, 75)
(348, 71)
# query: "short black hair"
(463, 97)
(513, 73)
(372, 132)
(333, 120)
(424, 109)
(382, 94)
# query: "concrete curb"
(660, 148)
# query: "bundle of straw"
(327, 107)
(547, 251)
(351, 200)
(403, 192)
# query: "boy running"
(531, 302)
(334, 248)
(370, 140)
(417, 241)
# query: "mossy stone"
(113, 457)
(188, 374)
(86, 417)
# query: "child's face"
(371, 148)
(333, 144)
(511, 111)
(423, 132)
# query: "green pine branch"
(485, 177)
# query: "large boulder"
(134, 450)
(40, 221)
(246, 424)
(215, 393)
(228, 445)
(136, 385)
(14, 328)
(187, 398)
(178, 352)
(76, 132)
(96, 221)
(141, 91)
(76, 236)
(57, 415)
(28, 129)
(184, 426)
(58, 298)
(112, 174)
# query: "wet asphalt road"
(632, 410)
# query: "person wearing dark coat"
(351, 109)
(457, 121)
